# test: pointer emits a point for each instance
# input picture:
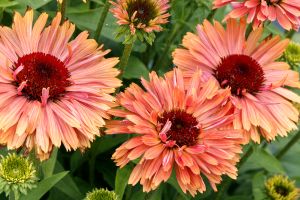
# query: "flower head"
(60, 1)
(248, 68)
(286, 12)
(292, 55)
(139, 18)
(280, 187)
(17, 175)
(179, 126)
(101, 194)
(52, 91)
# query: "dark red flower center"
(146, 10)
(184, 130)
(40, 71)
(273, 2)
(241, 73)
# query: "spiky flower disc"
(17, 175)
(279, 187)
(101, 194)
(292, 55)
(140, 18)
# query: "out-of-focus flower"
(280, 187)
(17, 175)
(292, 55)
(286, 12)
(101, 194)
(140, 18)
(248, 67)
(52, 91)
(60, 1)
(178, 127)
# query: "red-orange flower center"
(241, 73)
(38, 71)
(184, 129)
(144, 10)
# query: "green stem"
(227, 181)
(102, 19)
(12, 195)
(174, 33)
(162, 58)
(287, 147)
(124, 59)
(62, 9)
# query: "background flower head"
(178, 127)
(17, 175)
(286, 12)
(280, 187)
(52, 91)
(249, 69)
(101, 194)
(140, 18)
(292, 55)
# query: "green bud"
(17, 175)
(101, 194)
(280, 187)
(292, 55)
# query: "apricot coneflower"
(249, 69)
(286, 12)
(177, 127)
(52, 91)
(144, 16)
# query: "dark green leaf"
(35, 4)
(48, 165)
(258, 184)
(7, 3)
(44, 186)
(172, 181)
(135, 69)
(121, 182)
(67, 185)
(267, 161)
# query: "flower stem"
(124, 59)
(287, 147)
(62, 9)
(162, 58)
(12, 195)
(175, 32)
(102, 19)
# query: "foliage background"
(69, 175)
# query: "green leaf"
(267, 161)
(35, 4)
(48, 165)
(121, 181)
(258, 184)
(67, 185)
(172, 181)
(44, 186)
(135, 69)
(106, 143)
(156, 194)
(7, 3)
